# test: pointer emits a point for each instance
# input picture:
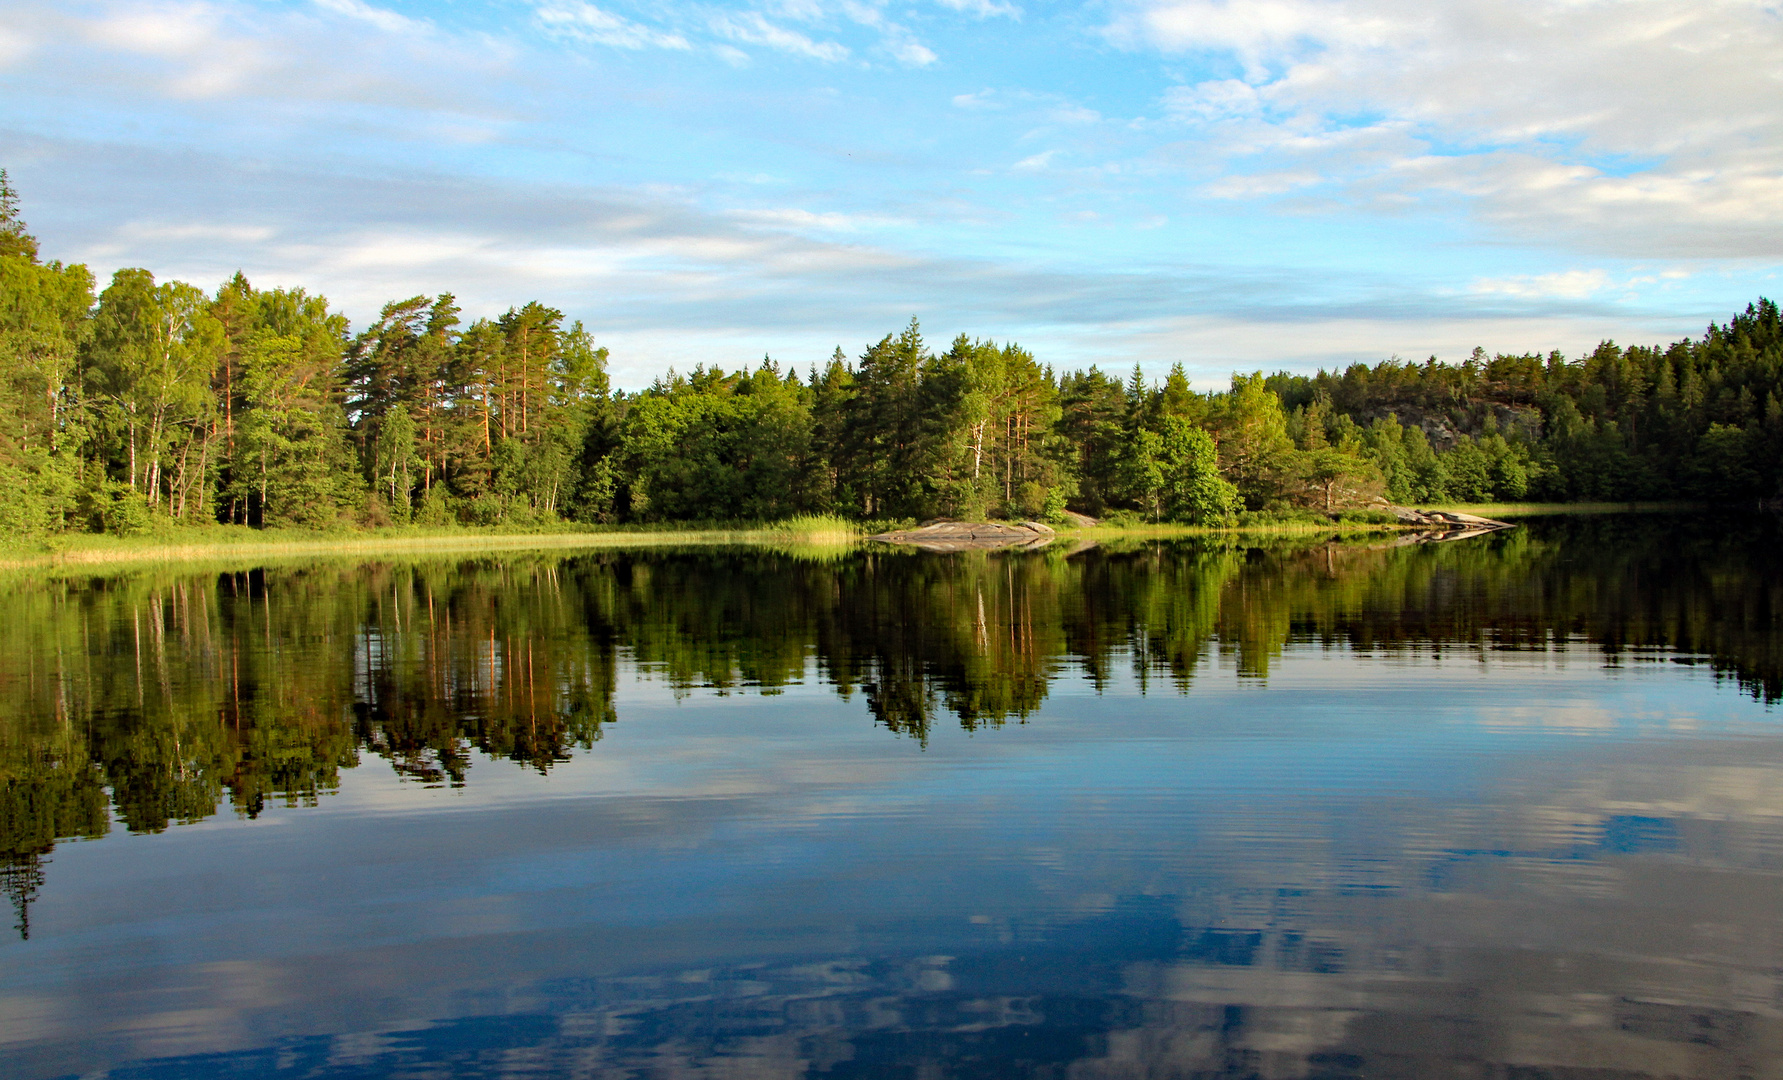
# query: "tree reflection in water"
(157, 698)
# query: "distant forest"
(159, 403)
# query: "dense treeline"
(151, 699)
(152, 402)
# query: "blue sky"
(1283, 183)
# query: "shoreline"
(1510, 510)
(238, 543)
(99, 551)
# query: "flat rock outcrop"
(1441, 525)
(970, 535)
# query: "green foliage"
(1331, 479)
(1139, 470)
(116, 509)
(1193, 489)
(1094, 408)
(15, 241)
(1253, 436)
(1365, 517)
(1618, 424)
(715, 447)
(148, 372)
(44, 323)
(286, 459)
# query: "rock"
(1447, 521)
(1482, 523)
(970, 535)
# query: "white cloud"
(1261, 33)
(132, 50)
(585, 22)
(1038, 161)
(1216, 344)
(912, 53)
(1634, 125)
(155, 29)
(752, 28)
(239, 234)
(1568, 285)
(1217, 99)
(795, 219)
(14, 45)
(195, 51)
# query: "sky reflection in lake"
(1277, 811)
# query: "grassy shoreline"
(229, 542)
(239, 542)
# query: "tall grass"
(816, 529)
(235, 542)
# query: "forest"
(150, 404)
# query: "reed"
(236, 543)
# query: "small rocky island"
(944, 536)
(971, 535)
(1445, 525)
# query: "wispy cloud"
(390, 22)
(896, 40)
(752, 28)
(797, 219)
(984, 9)
(585, 22)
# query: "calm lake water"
(1507, 807)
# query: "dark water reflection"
(1509, 807)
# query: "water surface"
(1508, 807)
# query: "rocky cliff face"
(1444, 426)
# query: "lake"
(1287, 807)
